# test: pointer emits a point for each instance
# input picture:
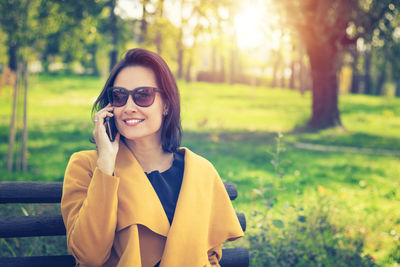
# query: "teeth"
(133, 121)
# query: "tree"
(326, 28)
(14, 21)
(114, 34)
(69, 30)
(26, 24)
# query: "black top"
(167, 184)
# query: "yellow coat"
(119, 220)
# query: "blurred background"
(295, 101)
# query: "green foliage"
(304, 237)
(303, 233)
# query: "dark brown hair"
(171, 130)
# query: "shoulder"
(85, 159)
(80, 168)
(85, 154)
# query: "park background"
(295, 101)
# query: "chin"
(131, 136)
(137, 135)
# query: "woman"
(141, 200)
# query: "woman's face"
(132, 121)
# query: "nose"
(130, 105)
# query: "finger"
(108, 108)
(103, 113)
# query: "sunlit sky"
(251, 23)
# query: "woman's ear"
(165, 110)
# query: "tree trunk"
(25, 130)
(114, 35)
(214, 62)
(180, 54)
(275, 72)
(367, 73)
(232, 61)
(188, 76)
(143, 22)
(159, 42)
(45, 64)
(325, 112)
(12, 56)
(232, 72)
(232, 67)
(382, 78)
(282, 79)
(158, 33)
(397, 92)
(354, 74)
(222, 76)
(11, 137)
(293, 74)
(293, 68)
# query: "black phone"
(111, 129)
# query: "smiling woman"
(122, 201)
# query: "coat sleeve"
(214, 255)
(89, 209)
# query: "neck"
(150, 155)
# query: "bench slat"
(39, 261)
(27, 226)
(231, 257)
(51, 192)
(30, 192)
(235, 257)
(242, 220)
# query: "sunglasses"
(142, 96)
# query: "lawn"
(355, 169)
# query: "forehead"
(135, 76)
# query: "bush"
(306, 233)
(304, 237)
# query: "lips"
(131, 122)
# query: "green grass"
(234, 126)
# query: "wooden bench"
(53, 225)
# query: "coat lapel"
(204, 216)
(138, 202)
(188, 223)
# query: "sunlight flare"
(254, 25)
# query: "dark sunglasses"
(142, 96)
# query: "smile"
(133, 121)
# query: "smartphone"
(111, 129)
